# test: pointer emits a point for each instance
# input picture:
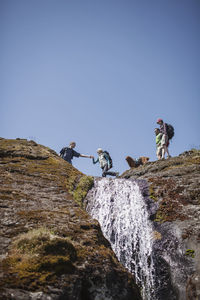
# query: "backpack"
(170, 131)
(66, 153)
(63, 152)
(109, 158)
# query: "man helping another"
(67, 153)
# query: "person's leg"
(106, 172)
(112, 173)
(163, 151)
(163, 144)
(167, 150)
(158, 153)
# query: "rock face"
(172, 192)
(49, 247)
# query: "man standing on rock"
(67, 153)
(164, 140)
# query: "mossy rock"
(84, 185)
(38, 256)
(190, 252)
(152, 193)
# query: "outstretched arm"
(87, 156)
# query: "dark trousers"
(105, 171)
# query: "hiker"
(165, 139)
(67, 153)
(105, 163)
(158, 143)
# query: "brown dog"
(136, 163)
(144, 159)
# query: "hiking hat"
(99, 150)
(159, 120)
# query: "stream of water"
(120, 208)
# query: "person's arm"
(165, 128)
(83, 155)
(76, 154)
(95, 161)
(159, 139)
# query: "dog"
(142, 160)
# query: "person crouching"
(104, 162)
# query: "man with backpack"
(67, 153)
(167, 132)
(105, 162)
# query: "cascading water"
(120, 208)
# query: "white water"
(119, 207)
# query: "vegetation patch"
(37, 256)
(170, 197)
(84, 185)
(152, 192)
(190, 252)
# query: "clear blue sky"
(100, 72)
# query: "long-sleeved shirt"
(102, 159)
(163, 128)
(68, 154)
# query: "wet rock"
(173, 187)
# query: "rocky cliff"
(49, 247)
(172, 191)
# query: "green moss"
(152, 193)
(84, 185)
(37, 256)
(60, 265)
(44, 242)
(160, 217)
(190, 252)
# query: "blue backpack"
(109, 158)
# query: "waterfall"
(120, 208)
